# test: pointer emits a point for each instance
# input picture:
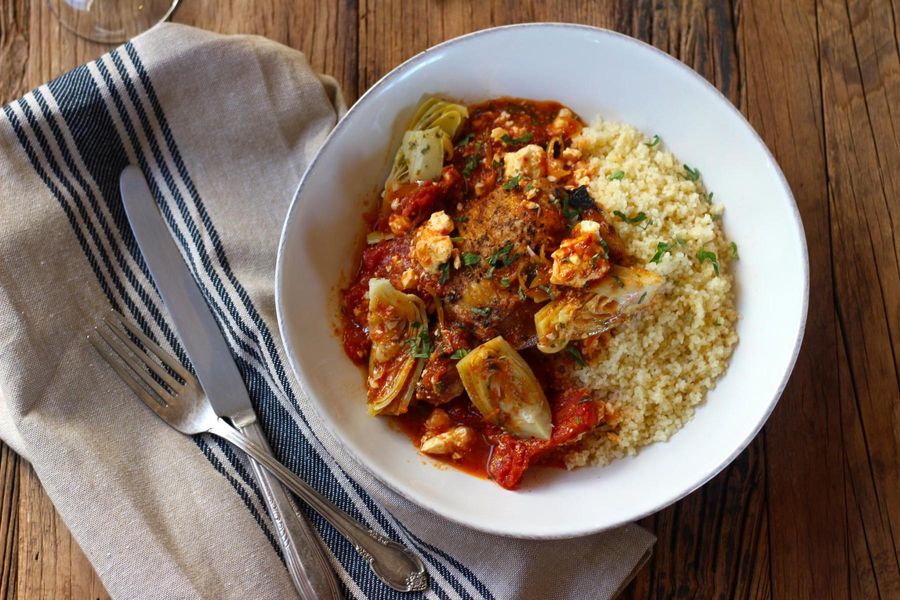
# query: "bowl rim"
(401, 69)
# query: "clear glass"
(111, 21)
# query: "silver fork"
(184, 406)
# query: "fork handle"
(303, 553)
(392, 563)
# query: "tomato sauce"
(498, 455)
(474, 170)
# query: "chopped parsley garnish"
(420, 344)
(572, 204)
(529, 186)
(504, 281)
(470, 258)
(570, 214)
(457, 239)
(523, 139)
(641, 299)
(680, 241)
(574, 353)
(548, 290)
(617, 175)
(502, 256)
(465, 140)
(605, 247)
(641, 216)
(481, 312)
(561, 199)
(461, 353)
(734, 252)
(471, 164)
(618, 280)
(706, 255)
(708, 196)
(445, 273)
(522, 295)
(652, 142)
(661, 249)
(461, 219)
(691, 174)
(512, 183)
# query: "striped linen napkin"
(222, 127)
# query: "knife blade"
(191, 316)
(219, 377)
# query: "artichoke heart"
(423, 153)
(600, 306)
(427, 140)
(504, 389)
(398, 328)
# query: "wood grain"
(9, 521)
(784, 103)
(50, 564)
(860, 81)
(812, 508)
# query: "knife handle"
(302, 550)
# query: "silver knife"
(215, 368)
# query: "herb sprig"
(576, 355)
(471, 164)
(662, 248)
(465, 140)
(704, 255)
(691, 174)
(470, 258)
(503, 256)
(522, 139)
(512, 183)
(641, 216)
(420, 344)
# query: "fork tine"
(164, 357)
(130, 357)
(156, 404)
(160, 372)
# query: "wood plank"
(807, 512)
(324, 31)
(50, 564)
(9, 521)
(806, 426)
(14, 48)
(860, 92)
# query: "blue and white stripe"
(79, 132)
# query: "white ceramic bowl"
(595, 72)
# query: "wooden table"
(812, 508)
